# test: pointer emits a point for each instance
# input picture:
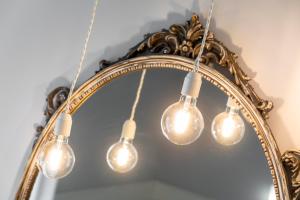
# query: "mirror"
(204, 170)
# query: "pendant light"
(182, 123)
(228, 127)
(122, 156)
(56, 159)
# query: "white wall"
(40, 43)
(150, 190)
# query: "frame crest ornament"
(170, 48)
(185, 40)
(291, 163)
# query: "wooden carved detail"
(54, 100)
(291, 163)
(185, 40)
(181, 40)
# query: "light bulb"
(228, 127)
(56, 159)
(182, 123)
(272, 194)
(122, 156)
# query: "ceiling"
(40, 42)
(203, 168)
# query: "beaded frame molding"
(176, 48)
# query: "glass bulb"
(272, 194)
(57, 158)
(228, 127)
(182, 123)
(122, 156)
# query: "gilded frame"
(176, 48)
(175, 62)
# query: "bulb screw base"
(128, 130)
(192, 84)
(63, 125)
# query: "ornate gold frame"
(181, 42)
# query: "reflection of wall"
(44, 189)
(150, 190)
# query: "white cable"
(197, 61)
(82, 55)
(138, 94)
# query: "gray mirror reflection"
(204, 170)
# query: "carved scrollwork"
(185, 40)
(54, 99)
(291, 163)
(182, 40)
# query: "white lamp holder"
(232, 104)
(128, 130)
(192, 84)
(63, 125)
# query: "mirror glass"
(203, 170)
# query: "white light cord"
(138, 94)
(197, 61)
(82, 56)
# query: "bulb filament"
(182, 119)
(122, 156)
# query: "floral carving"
(185, 40)
(181, 40)
(54, 99)
(291, 163)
